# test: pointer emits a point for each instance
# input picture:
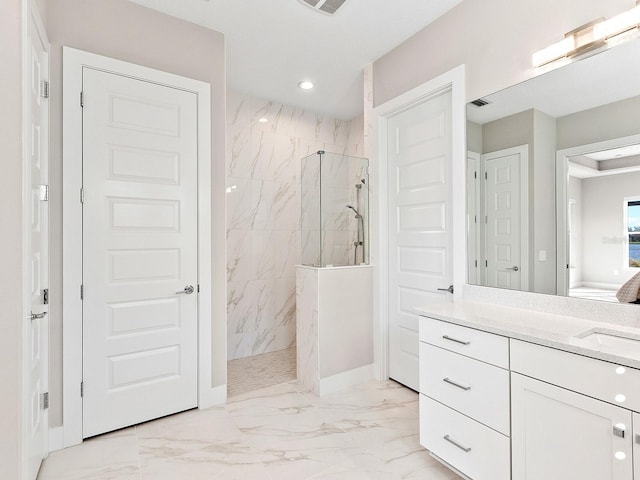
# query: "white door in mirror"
(506, 221)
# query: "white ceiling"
(274, 44)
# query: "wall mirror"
(553, 179)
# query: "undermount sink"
(619, 341)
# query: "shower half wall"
(334, 284)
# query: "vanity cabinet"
(464, 399)
(558, 434)
(573, 418)
(636, 444)
(498, 408)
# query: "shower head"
(356, 211)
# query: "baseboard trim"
(347, 379)
(212, 397)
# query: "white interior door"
(474, 247)
(506, 229)
(420, 164)
(37, 350)
(139, 251)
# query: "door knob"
(37, 316)
(515, 269)
(188, 290)
(450, 289)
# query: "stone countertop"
(549, 330)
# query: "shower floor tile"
(259, 371)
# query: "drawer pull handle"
(451, 339)
(453, 442)
(451, 382)
(619, 431)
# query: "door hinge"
(485, 176)
(82, 389)
(45, 296)
(198, 288)
(486, 219)
(475, 219)
(81, 292)
(45, 400)
(475, 174)
(486, 263)
(476, 262)
(81, 99)
(81, 194)
(43, 192)
(44, 89)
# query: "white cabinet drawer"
(473, 343)
(477, 389)
(599, 379)
(473, 449)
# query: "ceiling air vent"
(481, 102)
(329, 7)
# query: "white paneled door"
(506, 221)
(139, 251)
(420, 238)
(37, 238)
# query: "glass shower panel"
(335, 210)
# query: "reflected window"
(632, 210)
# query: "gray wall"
(11, 320)
(495, 39)
(544, 202)
(129, 32)
(474, 137)
(508, 132)
(618, 119)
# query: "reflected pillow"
(629, 292)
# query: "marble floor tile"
(278, 432)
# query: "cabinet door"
(558, 434)
(636, 445)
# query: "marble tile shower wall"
(263, 214)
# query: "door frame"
(31, 24)
(454, 81)
(562, 176)
(525, 261)
(73, 63)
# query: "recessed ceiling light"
(263, 120)
(305, 85)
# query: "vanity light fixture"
(306, 85)
(619, 24)
(554, 52)
(589, 37)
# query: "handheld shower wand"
(360, 235)
(356, 211)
